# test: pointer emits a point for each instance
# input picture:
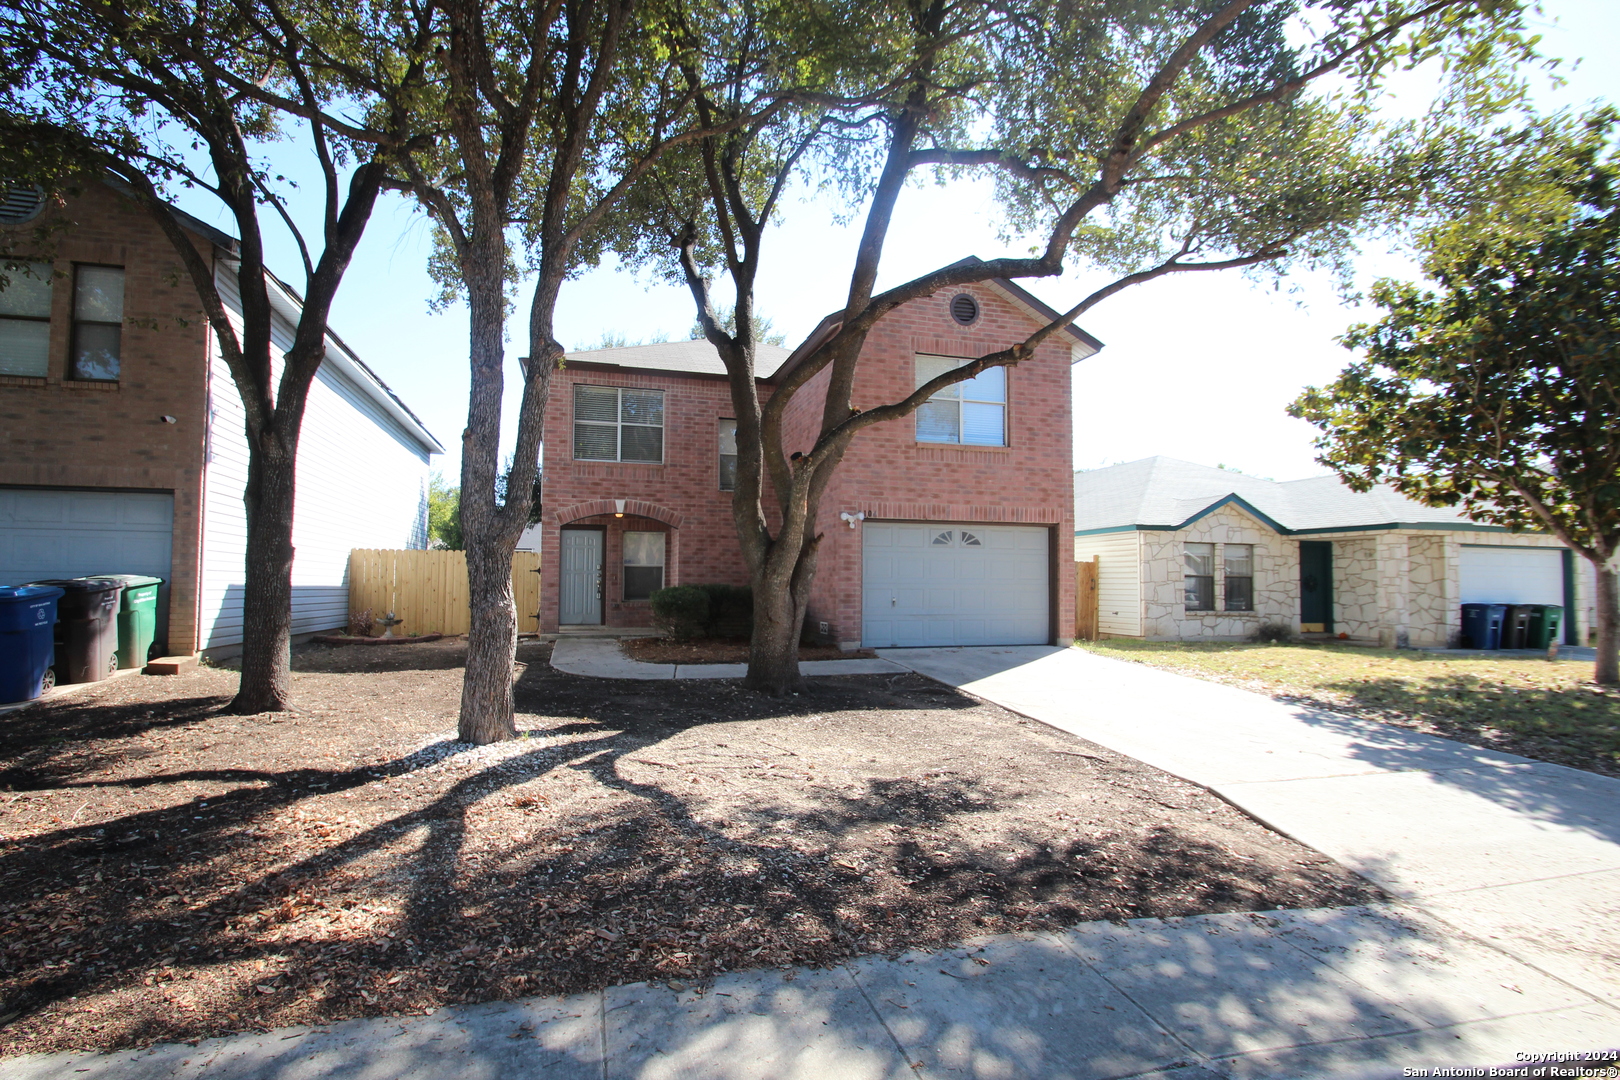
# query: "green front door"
(1316, 586)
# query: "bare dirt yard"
(167, 872)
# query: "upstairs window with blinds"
(973, 413)
(613, 423)
(98, 323)
(728, 455)
(25, 319)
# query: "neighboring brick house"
(1190, 552)
(967, 505)
(122, 434)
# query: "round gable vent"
(21, 202)
(965, 309)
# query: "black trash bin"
(86, 628)
(1516, 626)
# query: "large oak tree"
(1498, 390)
(1146, 139)
(168, 95)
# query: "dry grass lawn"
(1550, 711)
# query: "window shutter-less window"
(25, 319)
(641, 434)
(596, 423)
(1239, 565)
(643, 564)
(972, 413)
(728, 455)
(98, 323)
(1198, 576)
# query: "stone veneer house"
(1190, 552)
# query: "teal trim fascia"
(1111, 529)
(1241, 503)
(1571, 633)
(1388, 526)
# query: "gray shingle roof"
(1165, 492)
(698, 357)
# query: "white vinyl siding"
(361, 483)
(1119, 580)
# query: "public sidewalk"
(1501, 945)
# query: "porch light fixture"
(853, 519)
(618, 508)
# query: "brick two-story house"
(122, 447)
(951, 527)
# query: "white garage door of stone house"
(1511, 575)
(951, 584)
(60, 532)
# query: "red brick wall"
(887, 473)
(59, 433)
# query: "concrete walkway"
(1501, 945)
(602, 658)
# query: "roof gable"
(1168, 493)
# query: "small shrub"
(360, 623)
(680, 612)
(731, 611)
(1273, 633)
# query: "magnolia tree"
(1145, 139)
(1498, 391)
(165, 96)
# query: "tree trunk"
(773, 650)
(486, 689)
(266, 684)
(1607, 672)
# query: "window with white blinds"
(617, 423)
(973, 412)
(25, 318)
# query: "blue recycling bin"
(1482, 625)
(27, 640)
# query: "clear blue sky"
(1198, 368)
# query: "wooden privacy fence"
(428, 589)
(1085, 599)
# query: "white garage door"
(56, 533)
(1510, 575)
(954, 585)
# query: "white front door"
(581, 578)
(955, 584)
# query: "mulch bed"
(352, 639)
(721, 651)
(167, 872)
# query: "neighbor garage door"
(55, 533)
(1512, 575)
(955, 585)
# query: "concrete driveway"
(1518, 853)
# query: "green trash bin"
(137, 617)
(1545, 622)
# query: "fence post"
(1085, 598)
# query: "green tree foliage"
(1137, 139)
(163, 95)
(444, 514)
(1498, 391)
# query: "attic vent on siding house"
(21, 202)
(965, 309)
